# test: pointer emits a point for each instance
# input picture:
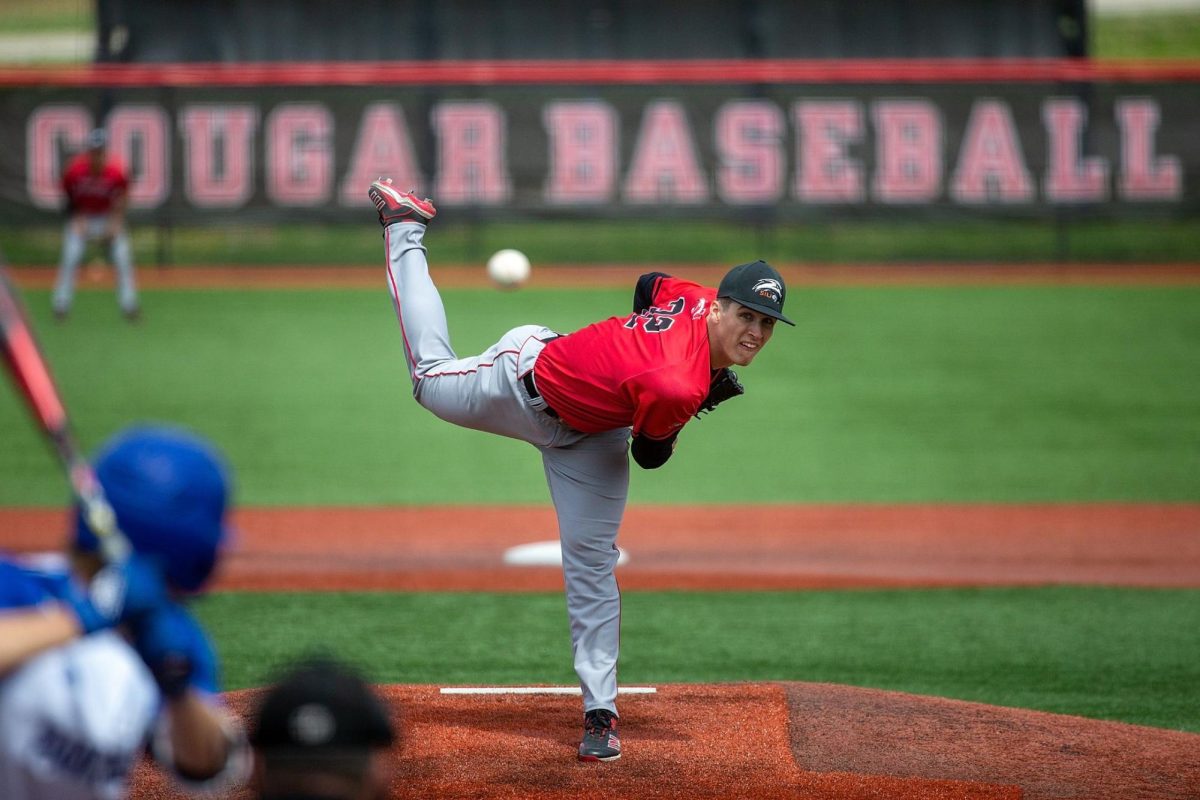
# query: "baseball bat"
(29, 370)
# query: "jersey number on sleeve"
(656, 320)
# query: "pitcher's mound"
(839, 728)
(764, 741)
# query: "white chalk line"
(538, 690)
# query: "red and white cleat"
(397, 206)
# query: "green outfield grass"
(1146, 35)
(1001, 393)
(47, 16)
(644, 241)
(1128, 655)
(885, 394)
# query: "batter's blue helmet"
(169, 490)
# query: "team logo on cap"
(770, 289)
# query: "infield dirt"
(770, 741)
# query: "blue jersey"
(74, 719)
(21, 587)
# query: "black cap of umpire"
(321, 706)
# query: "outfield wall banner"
(204, 151)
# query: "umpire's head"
(319, 731)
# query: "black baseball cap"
(756, 285)
(321, 706)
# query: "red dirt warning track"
(737, 740)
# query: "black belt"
(527, 379)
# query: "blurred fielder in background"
(99, 662)
(579, 398)
(320, 732)
(96, 189)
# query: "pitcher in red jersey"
(580, 399)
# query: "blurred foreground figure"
(320, 734)
(102, 663)
(97, 192)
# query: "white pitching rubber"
(543, 554)
(539, 690)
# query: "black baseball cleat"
(600, 740)
(397, 206)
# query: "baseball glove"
(724, 385)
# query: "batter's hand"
(174, 647)
(120, 592)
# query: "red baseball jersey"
(93, 193)
(648, 370)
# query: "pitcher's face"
(736, 333)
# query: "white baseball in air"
(508, 268)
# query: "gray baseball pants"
(78, 231)
(588, 474)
